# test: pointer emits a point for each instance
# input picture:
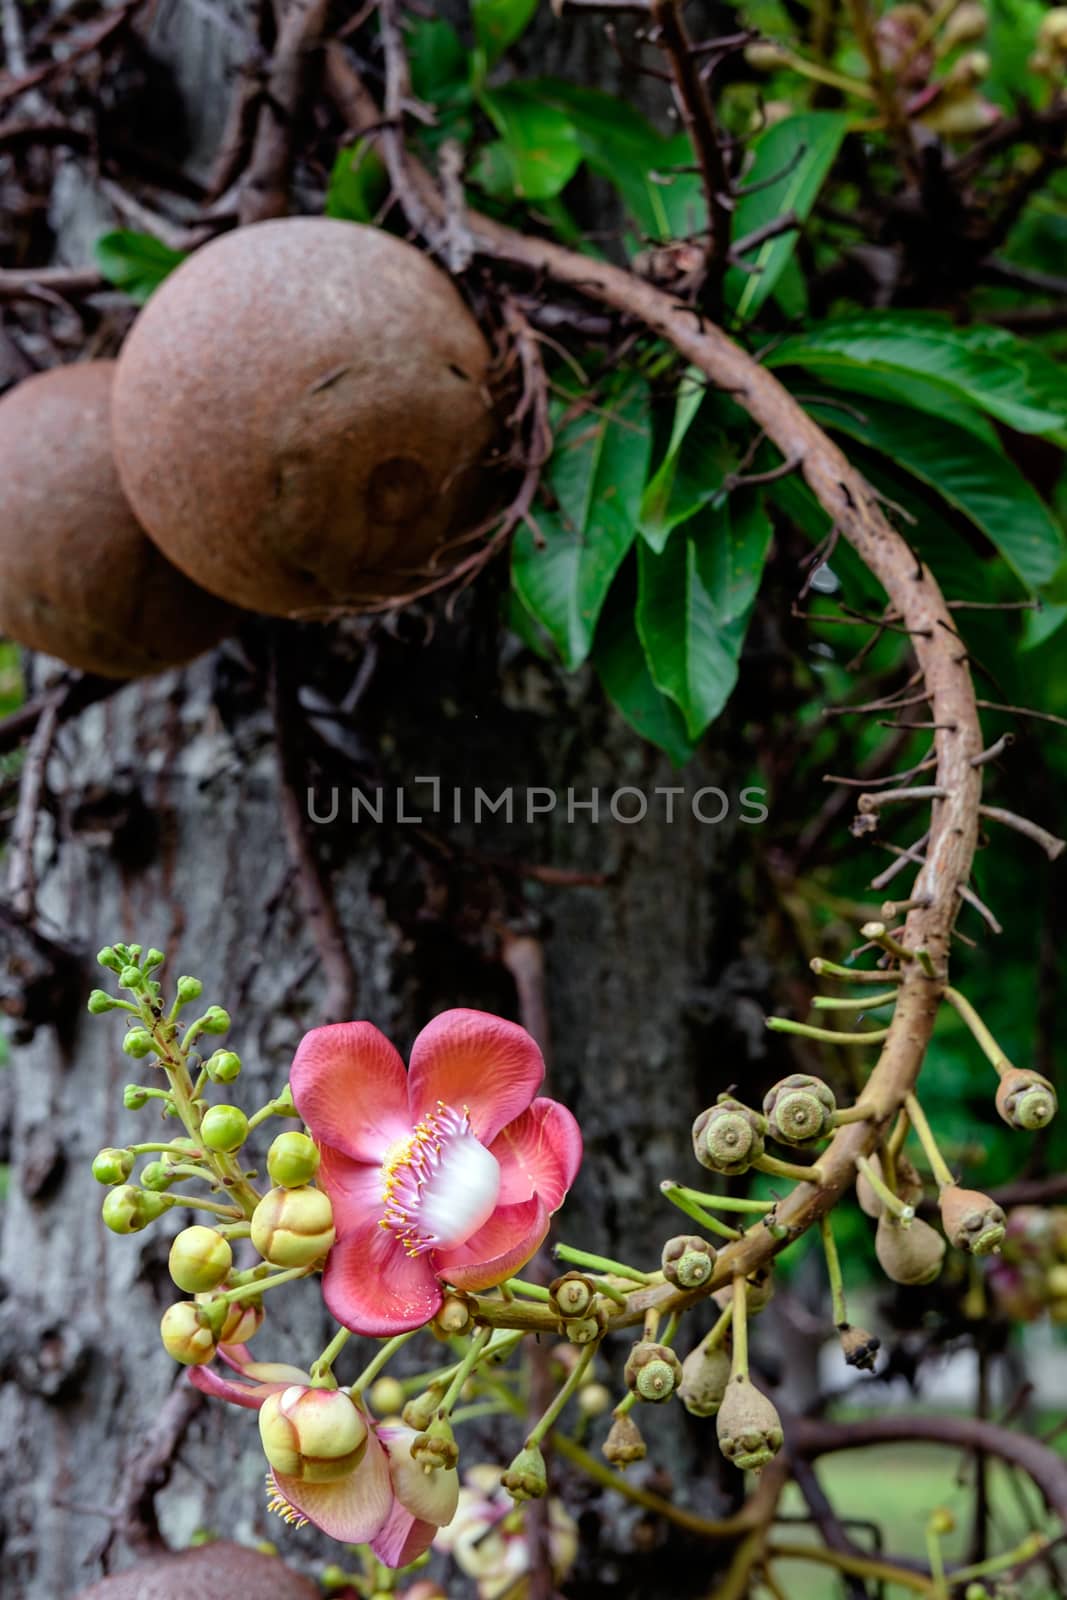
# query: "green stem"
(533, 1291)
(937, 1562)
(831, 969)
(584, 1258)
(380, 1360)
(714, 1339)
(857, 1113)
(249, 1290)
(194, 1203)
(574, 1381)
(833, 1272)
(989, 1046)
(789, 1169)
(825, 1035)
(322, 1369)
(739, 1323)
(678, 1197)
(904, 1214)
(281, 1106)
(863, 1002)
(609, 1291)
(1024, 1551)
(465, 1368)
(727, 1202)
(938, 1165)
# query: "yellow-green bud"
(132, 977)
(215, 1020)
(728, 1137)
(387, 1397)
(652, 1371)
(200, 1259)
(113, 1166)
(453, 1318)
(100, 1001)
(186, 1334)
(159, 1177)
(128, 1209)
(223, 1067)
(594, 1399)
(748, 1426)
(135, 1096)
(138, 1043)
(292, 1160)
(293, 1227)
(572, 1294)
(224, 1128)
(437, 1446)
(109, 958)
(420, 1412)
(687, 1261)
(316, 1435)
(526, 1478)
(799, 1109)
(189, 989)
(585, 1330)
(154, 958)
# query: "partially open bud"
(293, 1227)
(387, 1397)
(436, 1446)
(624, 1442)
(224, 1128)
(799, 1108)
(243, 1319)
(653, 1371)
(705, 1375)
(186, 1334)
(748, 1426)
(573, 1295)
(728, 1137)
(1025, 1099)
(859, 1347)
(454, 1317)
(199, 1259)
(687, 1261)
(526, 1478)
(910, 1255)
(113, 1166)
(316, 1435)
(128, 1209)
(292, 1160)
(971, 1220)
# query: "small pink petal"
(250, 1395)
(371, 1285)
(539, 1153)
(354, 1188)
(352, 1509)
(350, 1087)
(431, 1496)
(507, 1241)
(476, 1062)
(403, 1538)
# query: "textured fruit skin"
(220, 1568)
(78, 578)
(299, 413)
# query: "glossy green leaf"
(137, 263)
(802, 150)
(623, 670)
(498, 23)
(440, 66)
(675, 491)
(358, 184)
(539, 141)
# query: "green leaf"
(358, 184)
(620, 663)
(975, 478)
(498, 23)
(802, 150)
(597, 472)
(984, 367)
(540, 142)
(135, 262)
(440, 66)
(698, 457)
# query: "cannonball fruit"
(300, 413)
(78, 578)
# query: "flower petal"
(506, 1242)
(539, 1153)
(371, 1285)
(403, 1538)
(350, 1087)
(352, 1509)
(251, 1395)
(432, 1496)
(354, 1188)
(476, 1062)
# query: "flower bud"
(242, 1320)
(224, 1128)
(189, 989)
(728, 1137)
(199, 1259)
(132, 977)
(159, 1177)
(453, 1317)
(748, 1426)
(387, 1397)
(859, 1347)
(910, 1255)
(594, 1399)
(138, 1043)
(155, 958)
(573, 1294)
(653, 1371)
(705, 1375)
(687, 1261)
(586, 1330)
(100, 1001)
(421, 1411)
(292, 1160)
(526, 1478)
(293, 1227)
(799, 1108)
(436, 1447)
(971, 1220)
(215, 1020)
(186, 1334)
(315, 1435)
(113, 1166)
(135, 1096)
(109, 958)
(128, 1209)
(223, 1067)
(624, 1442)
(1025, 1099)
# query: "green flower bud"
(135, 1096)
(728, 1137)
(594, 1399)
(653, 1371)
(420, 1412)
(189, 989)
(624, 1442)
(293, 1227)
(573, 1294)
(100, 1001)
(132, 978)
(128, 1209)
(687, 1261)
(292, 1160)
(585, 1330)
(134, 951)
(526, 1478)
(910, 1255)
(748, 1426)
(1026, 1100)
(223, 1067)
(971, 1221)
(859, 1347)
(976, 1591)
(799, 1109)
(200, 1259)
(436, 1447)
(107, 957)
(159, 1177)
(316, 1435)
(113, 1166)
(387, 1397)
(453, 1318)
(705, 1374)
(138, 1043)
(186, 1335)
(224, 1128)
(215, 1020)
(155, 958)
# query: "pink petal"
(506, 1242)
(371, 1285)
(431, 1496)
(354, 1188)
(350, 1087)
(353, 1509)
(539, 1153)
(251, 1395)
(476, 1062)
(403, 1538)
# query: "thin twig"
(1049, 843)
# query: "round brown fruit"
(78, 578)
(299, 415)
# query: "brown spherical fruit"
(300, 413)
(78, 578)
